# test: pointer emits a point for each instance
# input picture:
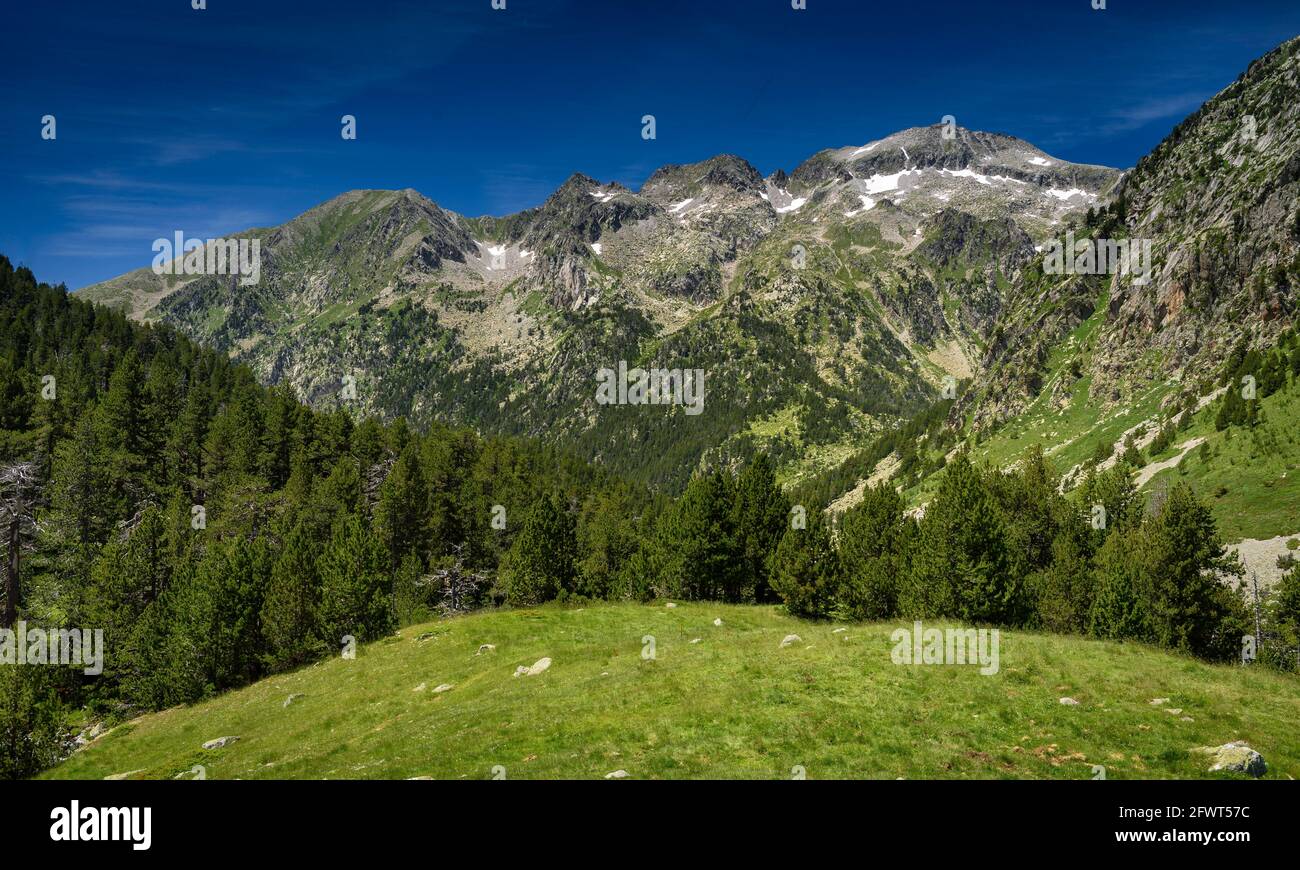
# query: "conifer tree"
(356, 585)
(961, 567)
(291, 612)
(33, 733)
(875, 544)
(759, 516)
(402, 514)
(1063, 591)
(696, 546)
(806, 569)
(1117, 612)
(1186, 566)
(540, 565)
(607, 540)
(80, 484)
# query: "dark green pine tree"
(1032, 507)
(1233, 411)
(695, 543)
(1190, 606)
(541, 563)
(806, 570)
(163, 404)
(1284, 615)
(339, 494)
(1117, 611)
(875, 544)
(961, 567)
(291, 611)
(1110, 501)
(409, 602)
(188, 434)
(356, 587)
(125, 579)
(402, 513)
(33, 734)
(80, 485)
(759, 516)
(16, 397)
(122, 423)
(607, 541)
(1063, 591)
(219, 620)
(281, 419)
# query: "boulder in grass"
(295, 696)
(538, 666)
(484, 648)
(616, 774)
(219, 743)
(789, 639)
(1236, 756)
(1069, 702)
(445, 687)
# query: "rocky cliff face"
(1218, 202)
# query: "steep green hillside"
(722, 701)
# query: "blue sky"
(212, 121)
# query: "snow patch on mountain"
(1073, 192)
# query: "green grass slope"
(732, 705)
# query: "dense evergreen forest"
(218, 531)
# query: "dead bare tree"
(20, 493)
(459, 589)
(374, 477)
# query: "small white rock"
(718, 621)
(445, 687)
(789, 639)
(616, 774)
(219, 743)
(127, 775)
(1069, 702)
(538, 666)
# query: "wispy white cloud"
(1124, 119)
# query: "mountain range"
(825, 306)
